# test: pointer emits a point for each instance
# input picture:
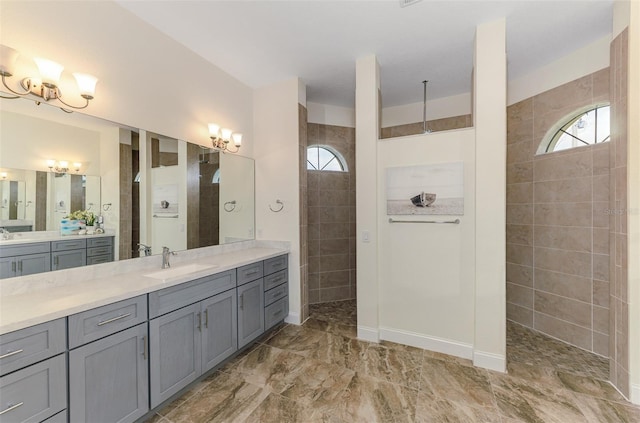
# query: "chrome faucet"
(145, 248)
(166, 253)
(5, 234)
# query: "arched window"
(587, 126)
(322, 157)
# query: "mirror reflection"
(151, 190)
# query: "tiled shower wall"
(557, 221)
(619, 324)
(332, 219)
(444, 124)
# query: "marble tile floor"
(320, 372)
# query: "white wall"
(27, 143)
(427, 270)
(331, 115)
(367, 133)
(490, 116)
(581, 62)
(276, 150)
(437, 108)
(237, 174)
(146, 79)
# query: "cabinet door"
(175, 348)
(8, 267)
(68, 259)
(219, 328)
(250, 312)
(108, 378)
(34, 263)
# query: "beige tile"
(601, 82)
(521, 214)
(601, 214)
(601, 319)
(522, 110)
(565, 166)
(334, 262)
(519, 172)
(521, 275)
(520, 193)
(565, 285)
(601, 293)
(520, 234)
(600, 159)
(563, 308)
(601, 241)
(520, 295)
(601, 344)
(334, 246)
(563, 237)
(519, 152)
(519, 130)
(601, 188)
(520, 254)
(334, 279)
(335, 294)
(601, 267)
(563, 214)
(574, 334)
(521, 315)
(572, 94)
(570, 262)
(573, 190)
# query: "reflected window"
(322, 157)
(216, 177)
(585, 127)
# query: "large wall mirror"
(151, 190)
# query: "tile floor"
(320, 373)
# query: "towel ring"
(278, 210)
(106, 206)
(232, 206)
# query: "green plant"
(88, 217)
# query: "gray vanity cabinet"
(108, 378)
(250, 312)
(219, 329)
(176, 348)
(68, 254)
(26, 259)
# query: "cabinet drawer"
(275, 294)
(30, 345)
(20, 250)
(275, 264)
(250, 272)
(61, 417)
(98, 251)
(103, 241)
(175, 297)
(34, 393)
(72, 244)
(276, 312)
(106, 258)
(102, 321)
(275, 279)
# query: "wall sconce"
(220, 138)
(46, 85)
(62, 166)
(3, 175)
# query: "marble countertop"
(30, 300)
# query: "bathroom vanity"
(132, 341)
(21, 257)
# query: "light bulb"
(86, 84)
(237, 139)
(49, 71)
(226, 134)
(214, 129)
(8, 57)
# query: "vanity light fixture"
(44, 86)
(3, 175)
(220, 138)
(62, 166)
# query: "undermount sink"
(176, 272)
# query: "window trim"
(337, 156)
(550, 138)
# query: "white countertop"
(30, 300)
(18, 238)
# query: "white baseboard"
(445, 346)
(293, 318)
(368, 334)
(635, 393)
(490, 361)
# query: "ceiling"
(266, 41)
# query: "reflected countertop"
(30, 300)
(45, 236)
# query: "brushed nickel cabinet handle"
(200, 321)
(13, 266)
(9, 354)
(144, 347)
(241, 301)
(122, 316)
(20, 266)
(11, 408)
(206, 318)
